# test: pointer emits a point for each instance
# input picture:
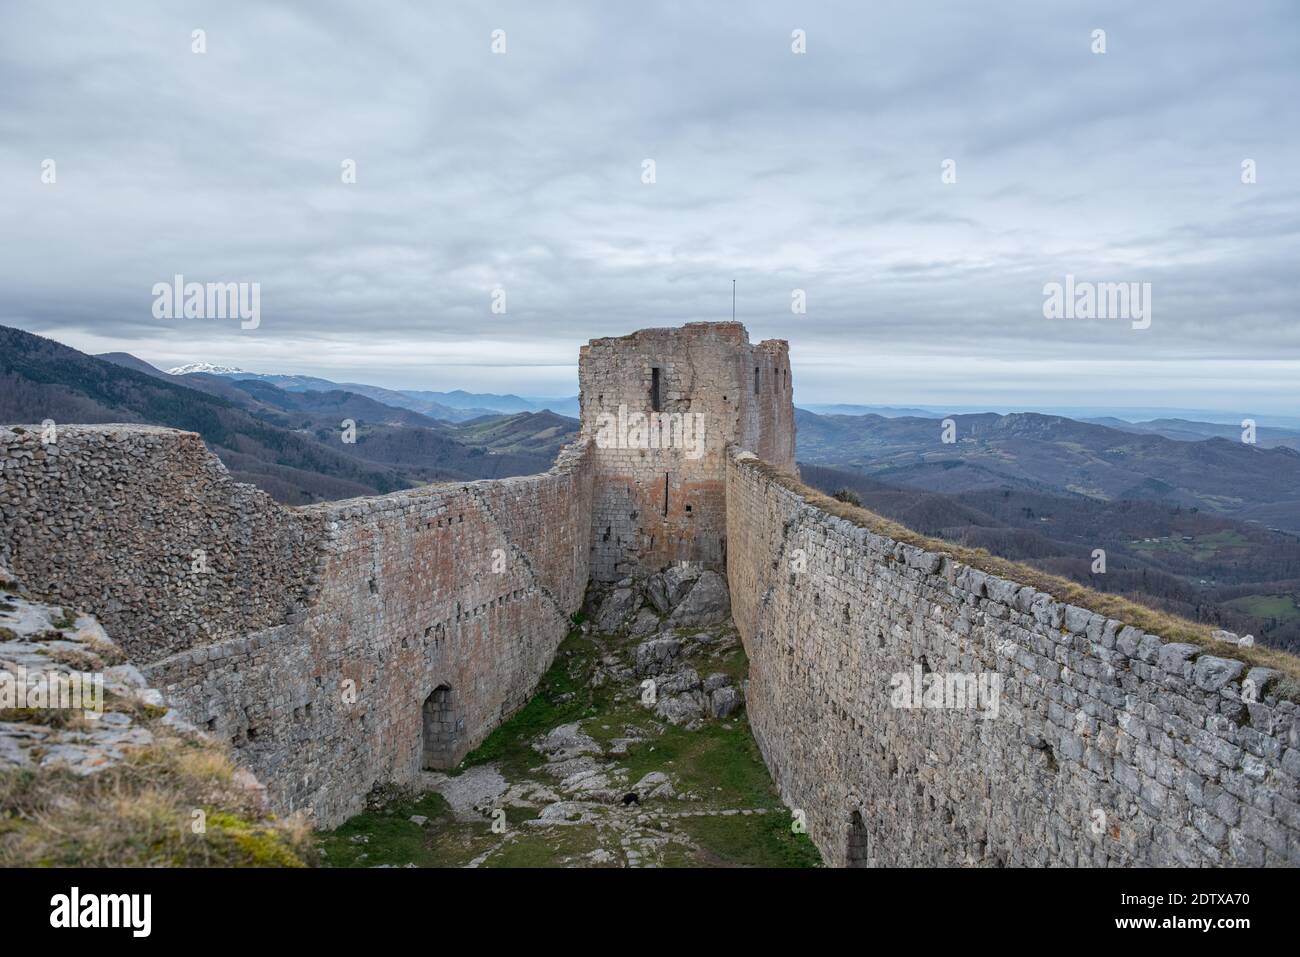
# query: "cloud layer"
(523, 172)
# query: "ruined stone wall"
(654, 506)
(353, 612)
(1110, 746)
(118, 517)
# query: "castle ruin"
(348, 644)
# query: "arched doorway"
(441, 729)
(858, 853)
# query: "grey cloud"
(818, 172)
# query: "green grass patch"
(552, 847)
(1201, 548)
(719, 761)
(1281, 607)
(733, 663)
(391, 837)
(759, 840)
(67, 618)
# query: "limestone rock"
(1212, 673)
(707, 603)
(654, 657)
(656, 593)
(656, 784)
(645, 623)
(723, 701)
(678, 581)
(566, 741)
(687, 679)
(615, 610)
(677, 709)
(715, 681)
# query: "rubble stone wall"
(318, 634)
(145, 526)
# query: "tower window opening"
(654, 391)
(755, 380)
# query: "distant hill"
(1029, 452)
(1187, 430)
(389, 397)
(128, 361)
(888, 411)
(478, 402)
(455, 406)
(473, 402)
(1237, 575)
(287, 442)
(40, 378)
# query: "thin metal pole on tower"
(733, 300)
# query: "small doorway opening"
(859, 846)
(441, 729)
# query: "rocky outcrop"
(707, 603)
(684, 596)
(69, 699)
(672, 606)
(97, 770)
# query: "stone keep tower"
(660, 407)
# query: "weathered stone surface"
(654, 507)
(645, 623)
(656, 656)
(656, 594)
(686, 679)
(678, 709)
(723, 701)
(707, 603)
(656, 784)
(678, 581)
(1096, 721)
(715, 681)
(566, 741)
(1213, 673)
(309, 638)
(1174, 655)
(614, 612)
(61, 663)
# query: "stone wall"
(658, 505)
(351, 643)
(318, 637)
(118, 517)
(1110, 747)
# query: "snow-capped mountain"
(207, 367)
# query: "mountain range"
(455, 406)
(1192, 518)
(1034, 453)
(289, 442)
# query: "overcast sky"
(523, 171)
